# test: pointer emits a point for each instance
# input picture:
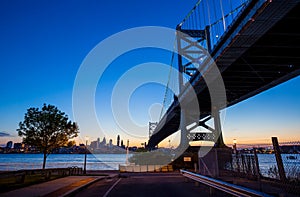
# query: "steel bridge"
(255, 46)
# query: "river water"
(112, 161)
(292, 166)
(35, 161)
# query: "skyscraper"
(118, 140)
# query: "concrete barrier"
(151, 168)
(145, 168)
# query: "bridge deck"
(259, 51)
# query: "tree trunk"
(44, 161)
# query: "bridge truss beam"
(215, 134)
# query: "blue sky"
(43, 44)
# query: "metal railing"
(222, 186)
(20, 175)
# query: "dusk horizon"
(41, 56)
(149, 98)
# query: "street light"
(236, 155)
(85, 153)
(234, 146)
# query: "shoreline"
(87, 172)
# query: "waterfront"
(267, 161)
(10, 162)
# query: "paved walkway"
(59, 187)
(132, 184)
(147, 185)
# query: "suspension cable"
(168, 82)
(224, 22)
(189, 14)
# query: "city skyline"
(91, 143)
(44, 44)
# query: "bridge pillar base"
(218, 129)
(214, 162)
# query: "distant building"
(118, 140)
(9, 144)
(103, 143)
(94, 145)
(98, 142)
(17, 146)
(64, 150)
(122, 144)
(290, 149)
(110, 143)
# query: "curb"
(73, 191)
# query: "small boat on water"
(291, 157)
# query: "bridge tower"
(194, 47)
(152, 126)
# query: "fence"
(277, 164)
(244, 165)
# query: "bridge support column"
(219, 143)
(184, 141)
(213, 161)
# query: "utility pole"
(85, 155)
(279, 159)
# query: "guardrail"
(229, 188)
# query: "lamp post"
(234, 146)
(236, 155)
(85, 154)
(127, 150)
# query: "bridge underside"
(259, 57)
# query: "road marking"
(141, 177)
(105, 195)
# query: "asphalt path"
(147, 185)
